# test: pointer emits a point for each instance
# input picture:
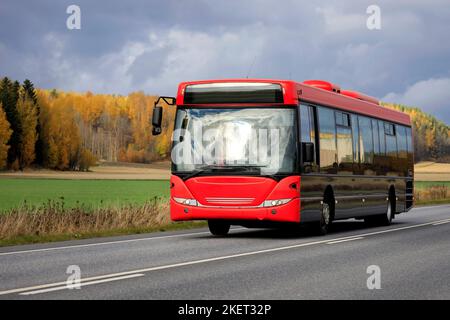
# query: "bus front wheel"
(218, 228)
(325, 219)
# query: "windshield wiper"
(223, 167)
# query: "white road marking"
(442, 222)
(345, 240)
(245, 254)
(83, 284)
(111, 242)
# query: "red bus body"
(239, 198)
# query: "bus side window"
(402, 150)
(366, 145)
(355, 131)
(305, 123)
(410, 149)
(327, 140)
(391, 149)
(307, 133)
(344, 143)
(376, 147)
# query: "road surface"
(413, 256)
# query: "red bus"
(273, 153)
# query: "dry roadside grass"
(54, 219)
(432, 193)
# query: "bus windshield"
(253, 141)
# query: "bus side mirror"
(157, 120)
(308, 151)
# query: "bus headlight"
(273, 203)
(187, 202)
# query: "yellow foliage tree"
(5, 134)
(28, 121)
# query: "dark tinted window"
(345, 150)
(401, 142)
(382, 139)
(389, 129)
(233, 93)
(339, 118)
(327, 136)
(342, 119)
(409, 140)
(308, 132)
(391, 146)
(305, 122)
(346, 119)
(391, 150)
(376, 138)
(410, 148)
(355, 129)
(402, 150)
(366, 144)
(376, 147)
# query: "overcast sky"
(125, 46)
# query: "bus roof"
(313, 91)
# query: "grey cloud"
(152, 45)
(432, 95)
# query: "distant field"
(105, 171)
(432, 171)
(427, 184)
(92, 193)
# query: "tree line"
(71, 131)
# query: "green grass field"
(426, 184)
(91, 193)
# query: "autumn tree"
(28, 118)
(9, 94)
(28, 89)
(5, 134)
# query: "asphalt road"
(413, 256)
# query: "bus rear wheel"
(218, 228)
(384, 219)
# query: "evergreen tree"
(28, 88)
(30, 92)
(5, 133)
(9, 95)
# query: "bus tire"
(323, 226)
(218, 228)
(384, 219)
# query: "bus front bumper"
(289, 212)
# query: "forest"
(72, 131)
